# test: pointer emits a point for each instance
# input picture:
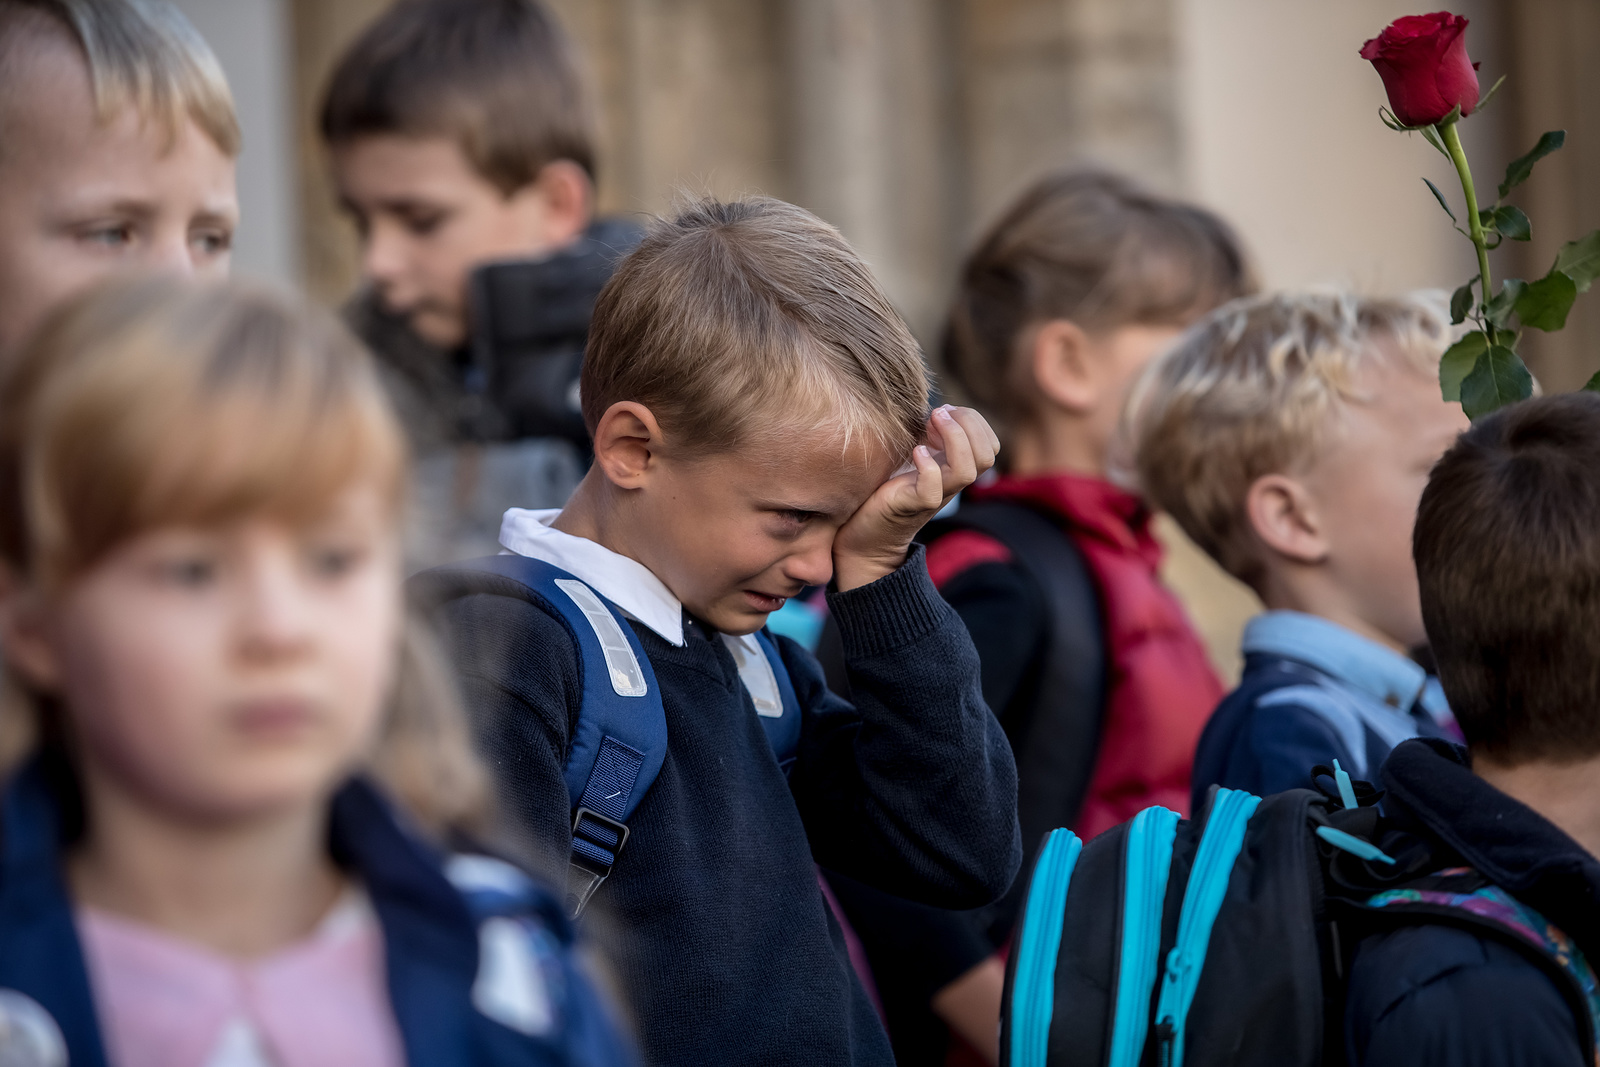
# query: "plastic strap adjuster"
(596, 843)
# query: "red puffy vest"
(1160, 687)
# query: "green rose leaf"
(1544, 304)
(1498, 379)
(1507, 221)
(1580, 260)
(1458, 361)
(1593, 384)
(1431, 137)
(1499, 309)
(1437, 195)
(1461, 303)
(1522, 166)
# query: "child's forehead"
(52, 133)
(813, 469)
(45, 94)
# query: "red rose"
(1423, 62)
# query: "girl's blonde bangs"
(165, 405)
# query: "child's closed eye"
(423, 223)
(793, 521)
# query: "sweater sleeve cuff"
(897, 610)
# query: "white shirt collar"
(625, 582)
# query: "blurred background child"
(462, 146)
(1291, 435)
(208, 675)
(117, 147)
(1088, 660)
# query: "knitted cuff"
(890, 613)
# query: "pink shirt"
(165, 1002)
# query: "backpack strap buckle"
(596, 843)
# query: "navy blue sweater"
(1433, 995)
(713, 917)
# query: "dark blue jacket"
(430, 941)
(1434, 995)
(1312, 692)
(724, 944)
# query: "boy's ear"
(627, 444)
(1285, 518)
(563, 197)
(1063, 366)
(22, 636)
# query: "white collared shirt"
(634, 588)
(627, 583)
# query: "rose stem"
(1452, 141)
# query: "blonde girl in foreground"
(211, 696)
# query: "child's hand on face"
(875, 540)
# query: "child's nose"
(382, 258)
(274, 613)
(814, 566)
(171, 253)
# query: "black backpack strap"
(1060, 731)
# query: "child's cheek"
(363, 638)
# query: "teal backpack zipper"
(1033, 993)
(1202, 899)
(1148, 863)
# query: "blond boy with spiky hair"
(1290, 435)
(761, 424)
(117, 148)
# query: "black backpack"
(1223, 940)
(1059, 718)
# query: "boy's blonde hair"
(1254, 389)
(147, 403)
(142, 54)
(735, 319)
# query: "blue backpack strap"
(783, 732)
(620, 740)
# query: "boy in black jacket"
(462, 146)
(1507, 546)
(760, 425)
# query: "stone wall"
(907, 123)
(910, 123)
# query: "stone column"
(1553, 84)
(872, 118)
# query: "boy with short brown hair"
(117, 148)
(1507, 550)
(1290, 435)
(462, 145)
(760, 425)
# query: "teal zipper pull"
(1354, 845)
(1347, 792)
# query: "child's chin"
(739, 620)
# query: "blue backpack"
(1222, 940)
(620, 741)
